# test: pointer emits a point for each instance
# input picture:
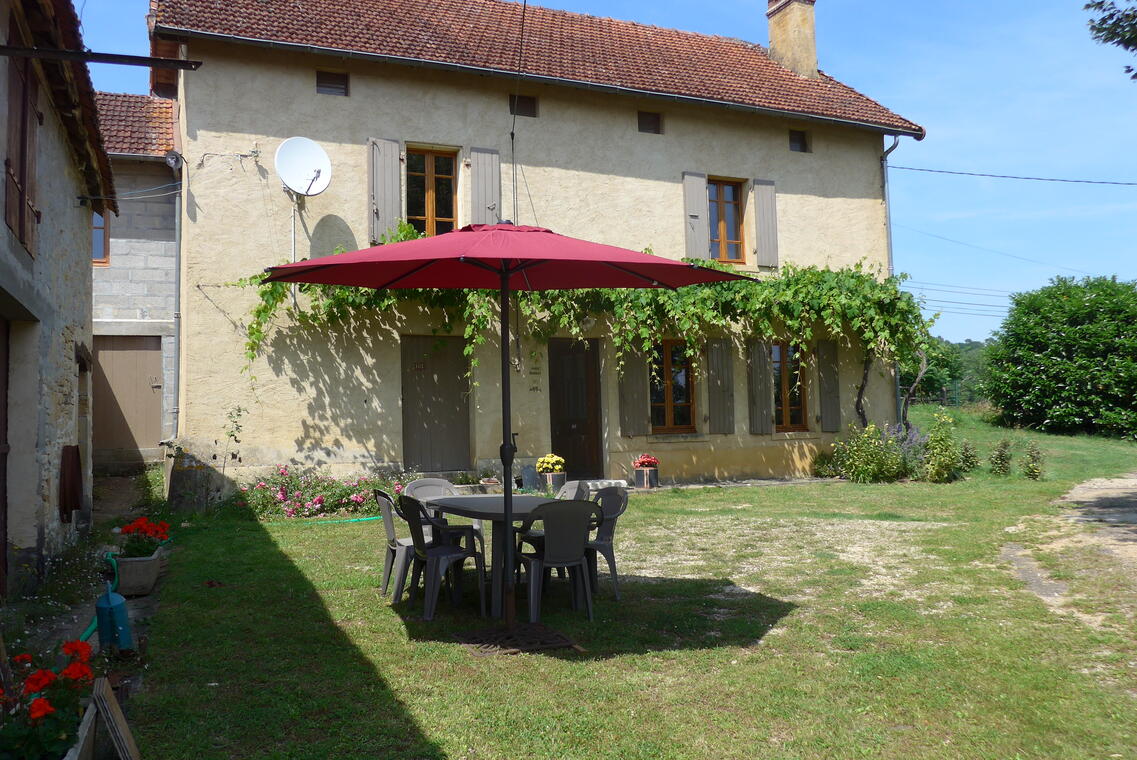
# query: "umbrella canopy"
(476, 256)
(502, 257)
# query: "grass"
(824, 620)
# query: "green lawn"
(825, 620)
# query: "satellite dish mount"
(304, 170)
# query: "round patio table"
(490, 507)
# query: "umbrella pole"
(508, 449)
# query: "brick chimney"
(793, 38)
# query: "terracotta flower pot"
(554, 480)
(647, 477)
(137, 575)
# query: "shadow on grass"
(247, 660)
(653, 615)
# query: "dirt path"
(1110, 504)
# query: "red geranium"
(646, 460)
(78, 671)
(79, 650)
(39, 708)
(22, 659)
(38, 681)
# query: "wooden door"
(4, 332)
(574, 406)
(436, 404)
(127, 392)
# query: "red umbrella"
(501, 257)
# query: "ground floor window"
(672, 389)
(789, 388)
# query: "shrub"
(968, 457)
(824, 466)
(1065, 359)
(1032, 464)
(942, 461)
(1001, 458)
(287, 493)
(868, 456)
(913, 446)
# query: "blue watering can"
(114, 626)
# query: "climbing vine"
(796, 304)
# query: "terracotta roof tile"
(558, 44)
(136, 124)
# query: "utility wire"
(992, 250)
(517, 97)
(952, 292)
(1011, 176)
(951, 285)
(991, 306)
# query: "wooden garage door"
(436, 404)
(128, 392)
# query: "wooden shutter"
(760, 399)
(720, 387)
(634, 413)
(35, 119)
(12, 158)
(384, 186)
(829, 386)
(485, 191)
(696, 211)
(766, 221)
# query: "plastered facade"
(334, 398)
(46, 296)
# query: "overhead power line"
(1011, 176)
(952, 291)
(966, 287)
(989, 306)
(992, 250)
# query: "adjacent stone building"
(134, 256)
(56, 172)
(626, 134)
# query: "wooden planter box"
(84, 746)
(137, 575)
(647, 477)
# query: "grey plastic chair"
(429, 488)
(399, 550)
(567, 524)
(613, 502)
(433, 561)
(572, 490)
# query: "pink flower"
(261, 484)
(283, 470)
(289, 512)
(398, 488)
(358, 498)
(319, 500)
(244, 489)
(296, 495)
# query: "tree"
(945, 368)
(1065, 359)
(1114, 25)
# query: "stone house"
(55, 173)
(632, 135)
(134, 259)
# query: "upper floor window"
(725, 197)
(332, 83)
(672, 389)
(431, 190)
(100, 240)
(789, 388)
(799, 141)
(24, 119)
(650, 122)
(523, 105)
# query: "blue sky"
(1022, 90)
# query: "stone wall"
(46, 294)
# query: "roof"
(136, 125)
(54, 25)
(564, 47)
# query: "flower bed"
(291, 494)
(41, 719)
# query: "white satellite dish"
(303, 166)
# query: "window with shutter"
(431, 184)
(384, 184)
(720, 387)
(696, 229)
(766, 222)
(789, 388)
(24, 118)
(724, 199)
(761, 389)
(634, 417)
(672, 389)
(100, 240)
(485, 181)
(828, 386)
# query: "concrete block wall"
(135, 293)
